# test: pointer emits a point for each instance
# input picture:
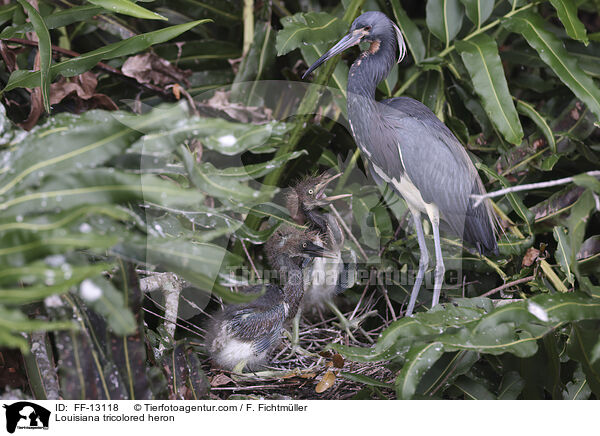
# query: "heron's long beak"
(320, 188)
(347, 41)
(314, 250)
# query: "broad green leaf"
(99, 294)
(578, 388)
(63, 283)
(225, 137)
(583, 337)
(57, 19)
(13, 323)
(419, 360)
(515, 201)
(567, 13)
(480, 55)
(513, 328)
(472, 389)
(45, 50)
(529, 111)
(444, 19)
(564, 254)
(198, 263)
(251, 171)
(552, 51)
(478, 11)
(87, 61)
(412, 34)
(511, 386)
(308, 28)
(222, 187)
(99, 186)
(127, 7)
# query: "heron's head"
(309, 194)
(374, 27)
(295, 243)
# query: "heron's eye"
(367, 28)
(311, 192)
(304, 245)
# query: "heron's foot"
(352, 325)
(295, 348)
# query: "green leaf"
(444, 19)
(45, 50)
(564, 254)
(104, 298)
(87, 61)
(480, 55)
(472, 389)
(511, 386)
(552, 51)
(222, 187)
(55, 20)
(478, 11)
(419, 360)
(567, 13)
(412, 34)
(584, 335)
(529, 111)
(127, 7)
(308, 28)
(70, 277)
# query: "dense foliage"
(138, 138)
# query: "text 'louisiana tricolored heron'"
(409, 148)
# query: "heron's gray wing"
(258, 319)
(440, 168)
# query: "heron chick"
(243, 335)
(325, 278)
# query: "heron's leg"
(440, 269)
(423, 262)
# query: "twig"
(171, 287)
(508, 285)
(45, 366)
(250, 259)
(350, 235)
(529, 186)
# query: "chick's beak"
(320, 188)
(314, 250)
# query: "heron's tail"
(480, 224)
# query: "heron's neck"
(372, 66)
(293, 288)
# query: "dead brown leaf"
(81, 90)
(530, 256)
(220, 379)
(338, 361)
(246, 114)
(326, 382)
(151, 68)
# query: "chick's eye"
(304, 245)
(310, 192)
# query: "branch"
(171, 287)
(508, 285)
(529, 186)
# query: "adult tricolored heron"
(243, 335)
(409, 148)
